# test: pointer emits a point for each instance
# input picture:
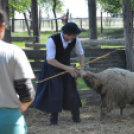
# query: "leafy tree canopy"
(25, 5)
(113, 6)
(48, 5)
(20, 5)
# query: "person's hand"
(24, 106)
(72, 71)
(82, 73)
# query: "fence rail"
(83, 23)
(26, 39)
(116, 60)
(93, 42)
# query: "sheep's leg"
(103, 111)
(103, 108)
(121, 106)
(121, 111)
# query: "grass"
(81, 85)
(83, 101)
(85, 34)
(43, 37)
(19, 44)
(110, 31)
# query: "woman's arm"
(57, 64)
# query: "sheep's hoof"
(121, 111)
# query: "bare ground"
(38, 122)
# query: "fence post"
(23, 25)
(52, 24)
(81, 23)
(67, 16)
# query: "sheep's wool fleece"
(118, 83)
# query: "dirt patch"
(38, 122)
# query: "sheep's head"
(89, 79)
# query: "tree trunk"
(35, 20)
(13, 19)
(92, 19)
(28, 28)
(40, 20)
(54, 12)
(31, 26)
(128, 32)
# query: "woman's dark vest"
(62, 55)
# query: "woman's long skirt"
(57, 93)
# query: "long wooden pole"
(108, 54)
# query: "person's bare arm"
(57, 64)
(81, 60)
(24, 106)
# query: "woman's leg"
(12, 121)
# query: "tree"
(126, 6)
(19, 5)
(52, 5)
(113, 6)
(35, 20)
(128, 32)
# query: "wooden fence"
(23, 39)
(117, 60)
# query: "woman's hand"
(25, 105)
(82, 73)
(72, 71)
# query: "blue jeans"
(12, 121)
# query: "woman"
(16, 90)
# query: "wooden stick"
(108, 54)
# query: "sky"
(77, 8)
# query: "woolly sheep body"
(116, 87)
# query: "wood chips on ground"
(38, 122)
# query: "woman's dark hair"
(2, 17)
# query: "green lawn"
(81, 85)
(85, 34)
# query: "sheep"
(115, 85)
